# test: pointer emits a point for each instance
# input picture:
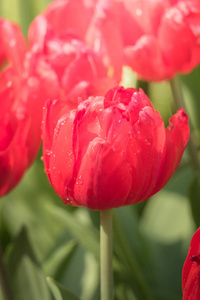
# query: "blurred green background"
(51, 251)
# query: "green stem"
(180, 103)
(106, 252)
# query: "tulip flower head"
(58, 37)
(21, 105)
(112, 150)
(191, 270)
(157, 38)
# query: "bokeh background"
(52, 251)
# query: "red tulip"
(59, 38)
(191, 270)
(111, 151)
(157, 38)
(20, 107)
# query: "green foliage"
(24, 273)
(46, 238)
(59, 291)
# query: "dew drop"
(48, 153)
(68, 200)
(70, 152)
(80, 180)
(48, 170)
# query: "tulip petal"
(14, 44)
(146, 153)
(191, 270)
(177, 135)
(104, 178)
(72, 16)
(108, 35)
(56, 113)
(137, 57)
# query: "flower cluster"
(66, 60)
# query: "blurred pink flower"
(156, 38)
(20, 108)
(63, 38)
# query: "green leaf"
(60, 292)
(64, 238)
(128, 249)
(85, 233)
(151, 254)
(167, 217)
(59, 259)
(26, 277)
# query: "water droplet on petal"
(48, 170)
(48, 153)
(70, 152)
(68, 200)
(80, 180)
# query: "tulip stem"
(106, 252)
(180, 103)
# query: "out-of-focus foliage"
(51, 251)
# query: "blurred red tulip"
(20, 107)
(157, 38)
(191, 270)
(59, 37)
(111, 151)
